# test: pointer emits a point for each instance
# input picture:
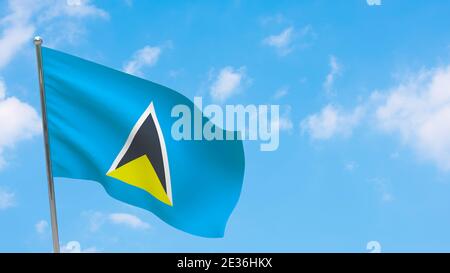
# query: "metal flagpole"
(51, 188)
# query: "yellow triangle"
(140, 173)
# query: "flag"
(114, 128)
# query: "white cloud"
(75, 247)
(79, 8)
(62, 21)
(373, 2)
(72, 8)
(18, 121)
(128, 220)
(144, 57)
(24, 17)
(418, 111)
(41, 226)
(97, 219)
(330, 122)
(281, 41)
(335, 70)
(289, 39)
(282, 92)
(227, 83)
(350, 166)
(7, 199)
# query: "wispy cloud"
(227, 83)
(373, 2)
(335, 70)
(289, 39)
(282, 41)
(350, 166)
(97, 220)
(147, 56)
(25, 17)
(7, 199)
(281, 92)
(16, 30)
(129, 220)
(331, 121)
(80, 8)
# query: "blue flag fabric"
(95, 115)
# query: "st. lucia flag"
(107, 126)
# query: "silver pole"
(51, 187)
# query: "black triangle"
(147, 142)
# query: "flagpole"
(51, 187)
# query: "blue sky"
(364, 94)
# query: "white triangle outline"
(149, 111)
